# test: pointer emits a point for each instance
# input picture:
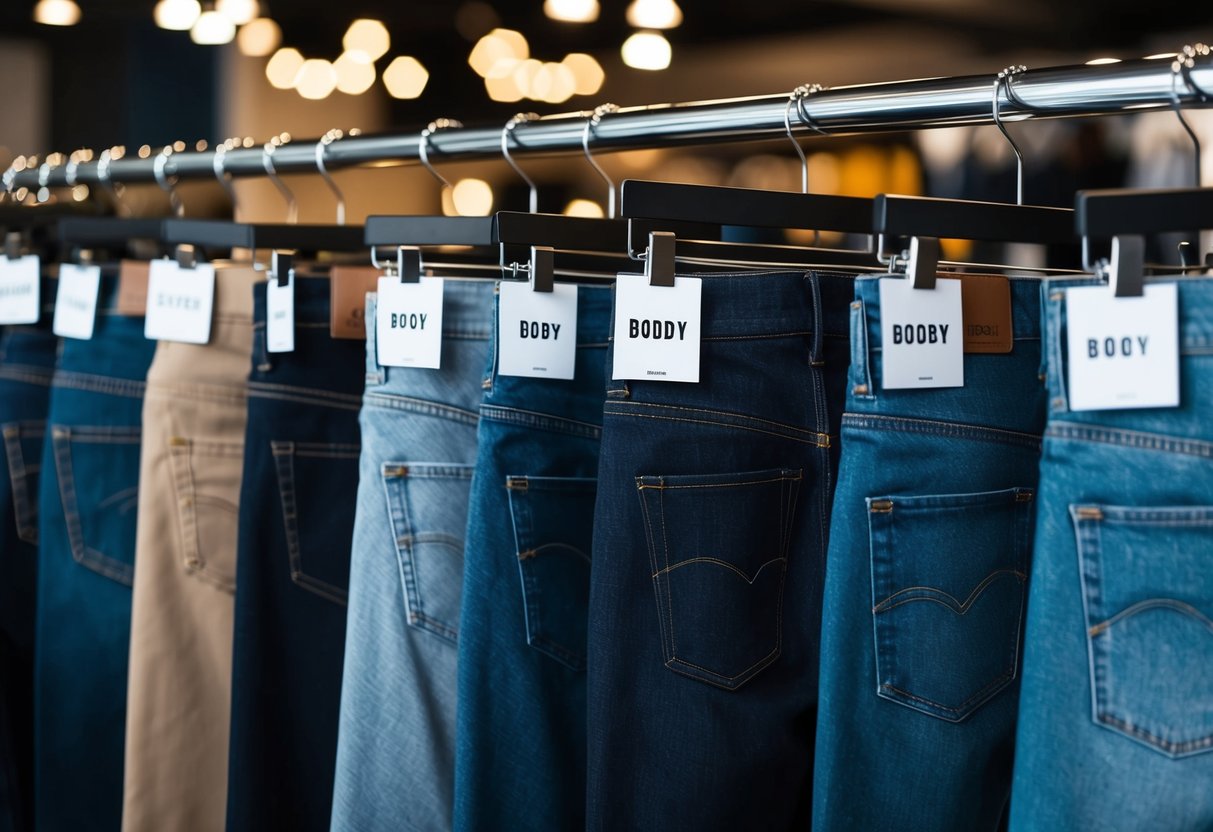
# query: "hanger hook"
(797, 96)
(167, 182)
(44, 178)
(1181, 68)
(219, 166)
(423, 146)
(267, 161)
(105, 177)
(321, 147)
(506, 133)
(591, 126)
(802, 109)
(1004, 79)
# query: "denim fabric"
(86, 529)
(27, 362)
(396, 743)
(709, 545)
(292, 569)
(926, 579)
(1116, 714)
(520, 750)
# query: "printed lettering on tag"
(657, 329)
(536, 331)
(179, 302)
(76, 301)
(348, 288)
(408, 323)
(921, 342)
(132, 288)
(20, 290)
(1123, 352)
(280, 315)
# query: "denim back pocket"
(206, 478)
(98, 471)
(949, 574)
(23, 452)
(1147, 582)
(553, 529)
(318, 485)
(718, 549)
(428, 504)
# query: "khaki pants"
(179, 696)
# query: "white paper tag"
(179, 302)
(657, 329)
(280, 315)
(537, 331)
(408, 323)
(20, 286)
(921, 334)
(1124, 352)
(76, 301)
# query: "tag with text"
(657, 329)
(1124, 352)
(76, 301)
(537, 331)
(20, 282)
(179, 302)
(408, 323)
(921, 334)
(280, 315)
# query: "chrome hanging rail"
(1055, 92)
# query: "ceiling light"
(369, 36)
(57, 13)
(654, 14)
(405, 77)
(259, 37)
(238, 11)
(472, 198)
(316, 79)
(646, 50)
(177, 15)
(212, 29)
(283, 67)
(354, 75)
(584, 208)
(503, 87)
(587, 73)
(572, 11)
(495, 46)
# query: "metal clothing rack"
(1054, 92)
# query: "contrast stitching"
(822, 440)
(725, 564)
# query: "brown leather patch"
(986, 304)
(132, 287)
(348, 286)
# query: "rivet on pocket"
(881, 506)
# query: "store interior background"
(116, 78)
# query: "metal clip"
(923, 263)
(1127, 268)
(659, 261)
(13, 245)
(543, 268)
(282, 266)
(408, 264)
(187, 256)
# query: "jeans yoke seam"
(303, 399)
(540, 421)
(1139, 440)
(305, 392)
(99, 384)
(935, 427)
(31, 375)
(822, 441)
(729, 414)
(387, 401)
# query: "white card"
(921, 335)
(20, 285)
(280, 315)
(76, 301)
(1124, 352)
(408, 323)
(179, 302)
(657, 329)
(537, 331)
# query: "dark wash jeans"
(709, 551)
(925, 585)
(297, 503)
(89, 494)
(520, 720)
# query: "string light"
(405, 77)
(177, 15)
(654, 14)
(646, 50)
(369, 37)
(587, 73)
(316, 79)
(355, 75)
(283, 67)
(571, 11)
(212, 29)
(57, 13)
(239, 12)
(259, 37)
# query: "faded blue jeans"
(1116, 713)
(396, 738)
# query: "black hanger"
(109, 234)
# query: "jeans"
(710, 533)
(396, 742)
(1116, 713)
(292, 570)
(925, 585)
(520, 739)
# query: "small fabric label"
(348, 288)
(920, 333)
(657, 329)
(179, 302)
(408, 323)
(280, 315)
(76, 301)
(537, 331)
(132, 288)
(986, 303)
(20, 290)
(1124, 352)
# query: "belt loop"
(816, 357)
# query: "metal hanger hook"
(806, 91)
(267, 161)
(1004, 79)
(796, 97)
(506, 133)
(1181, 68)
(167, 182)
(106, 179)
(321, 147)
(219, 166)
(423, 146)
(591, 126)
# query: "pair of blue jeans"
(520, 738)
(926, 579)
(297, 504)
(396, 740)
(710, 533)
(1116, 713)
(88, 498)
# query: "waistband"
(234, 293)
(1195, 307)
(1025, 302)
(312, 302)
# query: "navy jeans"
(709, 549)
(925, 585)
(297, 504)
(86, 528)
(520, 722)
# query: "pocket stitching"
(181, 460)
(23, 507)
(284, 457)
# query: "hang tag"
(280, 315)
(921, 339)
(1124, 352)
(657, 329)
(537, 331)
(348, 288)
(132, 288)
(76, 301)
(986, 302)
(179, 302)
(408, 323)
(20, 290)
